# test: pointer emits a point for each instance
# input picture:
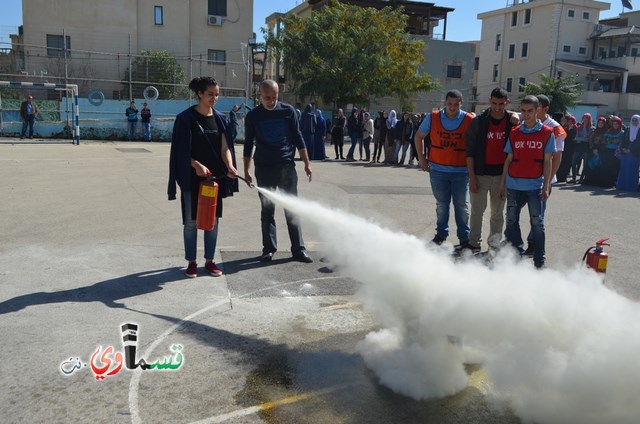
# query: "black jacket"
(180, 155)
(477, 139)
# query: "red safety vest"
(528, 152)
(448, 146)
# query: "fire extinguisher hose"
(213, 178)
(587, 252)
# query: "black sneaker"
(529, 252)
(437, 240)
(465, 245)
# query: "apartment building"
(552, 37)
(94, 43)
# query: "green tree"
(564, 92)
(349, 54)
(157, 68)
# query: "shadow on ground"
(108, 292)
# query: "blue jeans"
(132, 130)
(516, 199)
(354, 142)
(284, 178)
(28, 122)
(448, 186)
(190, 233)
(146, 130)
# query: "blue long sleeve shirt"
(274, 133)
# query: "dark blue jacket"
(180, 156)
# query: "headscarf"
(320, 118)
(633, 129)
(391, 119)
(308, 109)
(605, 127)
(570, 122)
(589, 122)
(613, 132)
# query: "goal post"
(68, 88)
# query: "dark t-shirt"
(206, 148)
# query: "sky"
(462, 24)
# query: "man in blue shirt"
(526, 178)
(275, 129)
(28, 112)
(447, 166)
(132, 118)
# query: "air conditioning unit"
(214, 20)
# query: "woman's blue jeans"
(190, 233)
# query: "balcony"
(630, 63)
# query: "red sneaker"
(192, 270)
(213, 269)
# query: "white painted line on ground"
(134, 408)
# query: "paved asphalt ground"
(88, 241)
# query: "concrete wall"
(104, 122)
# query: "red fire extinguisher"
(207, 203)
(596, 258)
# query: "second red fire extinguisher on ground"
(596, 258)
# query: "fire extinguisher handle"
(603, 242)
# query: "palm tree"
(564, 92)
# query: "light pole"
(251, 44)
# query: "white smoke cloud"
(558, 346)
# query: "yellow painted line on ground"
(271, 405)
(479, 379)
(291, 399)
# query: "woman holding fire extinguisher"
(199, 150)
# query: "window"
(521, 83)
(158, 16)
(582, 51)
(476, 64)
(621, 51)
(498, 41)
(602, 53)
(495, 73)
(527, 17)
(586, 16)
(56, 45)
(571, 14)
(454, 71)
(634, 51)
(217, 7)
(514, 19)
(509, 86)
(566, 48)
(512, 51)
(217, 57)
(524, 51)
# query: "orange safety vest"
(528, 152)
(448, 146)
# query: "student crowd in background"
(601, 153)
